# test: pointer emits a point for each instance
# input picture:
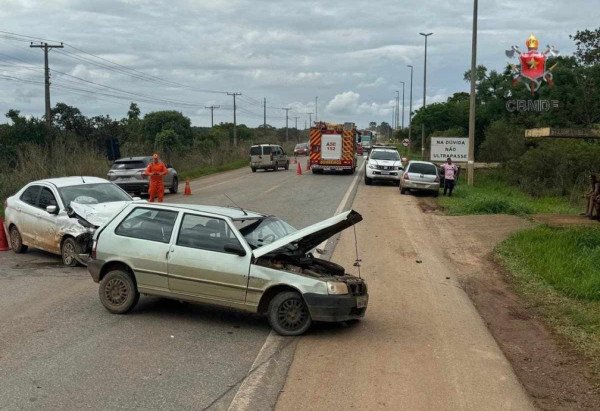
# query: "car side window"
(205, 233)
(148, 224)
(46, 198)
(30, 195)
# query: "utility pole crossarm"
(47, 47)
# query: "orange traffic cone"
(299, 170)
(188, 190)
(3, 241)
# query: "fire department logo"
(532, 69)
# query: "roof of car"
(256, 145)
(73, 181)
(231, 212)
(384, 149)
(141, 158)
(421, 162)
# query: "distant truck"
(333, 147)
(367, 140)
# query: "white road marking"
(268, 370)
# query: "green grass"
(558, 271)
(492, 195)
(204, 171)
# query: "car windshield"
(264, 231)
(300, 145)
(385, 155)
(128, 165)
(422, 168)
(93, 194)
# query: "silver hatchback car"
(420, 176)
(128, 173)
(226, 257)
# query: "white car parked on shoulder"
(383, 164)
(60, 215)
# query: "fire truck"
(332, 147)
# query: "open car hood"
(311, 236)
(98, 214)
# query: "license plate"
(361, 302)
(385, 173)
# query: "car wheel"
(288, 314)
(118, 292)
(436, 193)
(368, 181)
(253, 170)
(175, 186)
(276, 167)
(68, 250)
(287, 165)
(16, 241)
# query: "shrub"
(503, 142)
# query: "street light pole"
(424, 95)
(402, 121)
(410, 105)
(472, 102)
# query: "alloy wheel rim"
(68, 252)
(15, 240)
(116, 291)
(292, 314)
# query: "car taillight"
(94, 246)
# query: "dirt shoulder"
(422, 345)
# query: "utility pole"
(46, 48)
(265, 116)
(309, 119)
(402, 122)
(305, 124)
(473, 99)
(297, 133)
(286, 122)
(410, 105)
(234, 118)
(316, 109)
(212, 108)
(397, 111)
(424, 95)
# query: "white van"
(268, 156)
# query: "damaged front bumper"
(334, 308)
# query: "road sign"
(406, 142)
(457, 148)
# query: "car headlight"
(334, 287)
(372, 167)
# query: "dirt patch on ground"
(429, 205)
(553, 373)
(564, 220)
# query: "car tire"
(288, 314)
(118, 292)
(287, 165)
(174, 186)
(368, 181)
(68, 249)
(253, 169)
(16, 241)
(276, 167)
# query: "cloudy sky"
(186, 54)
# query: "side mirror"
(52, 209)
(234, 249)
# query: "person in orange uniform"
(156, 170)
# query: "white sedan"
(60, 215)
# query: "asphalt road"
(59, 348)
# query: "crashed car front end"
(330, 293)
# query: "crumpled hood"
(308, 238)
(98, 214)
